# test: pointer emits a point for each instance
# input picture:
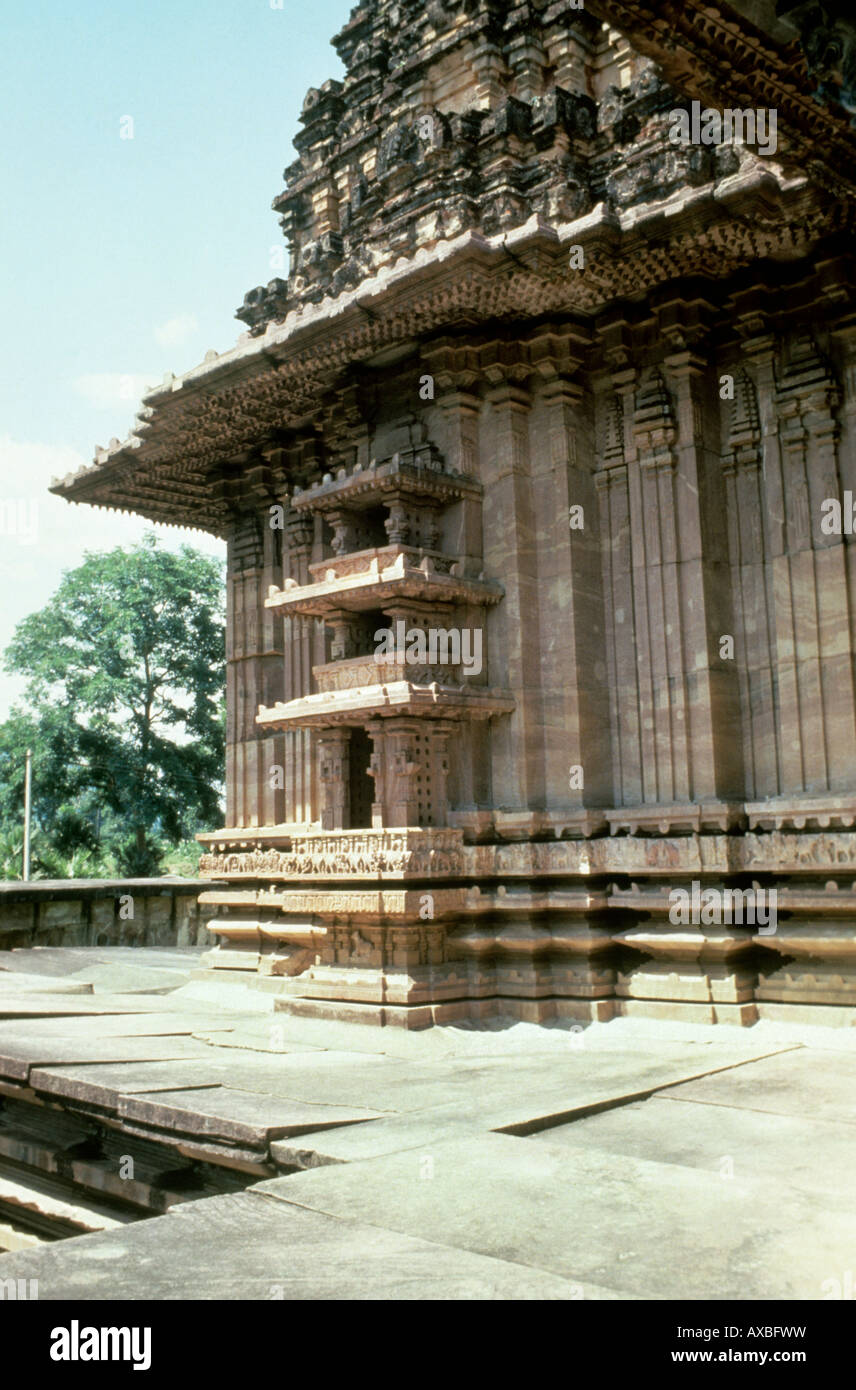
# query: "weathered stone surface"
(594, 1216)
(221, 1113)
(20, 983)
(545, 376)
(99, 912)
(21, 1055)
(779, 1086)
(727, 1140)
(267, 1250)
(738, 1163)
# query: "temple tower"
(537, 635)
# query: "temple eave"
(354, 707)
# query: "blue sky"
(121, 259)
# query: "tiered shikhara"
(404, 434)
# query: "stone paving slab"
(102, 1084)
(395, 1134)
(38, 1195)
(720, 1140)
(15, 983)
(104, 1079)
(589, 1215)
(387, 1135)
(52, 1005)
(20, 1057)
(134, 1024)
(793, 1085)
(499, 1091)
(505, 1037)
(247, 1247)
(123, 973)
(239, 1116)
(498, 1098)
(62, 961)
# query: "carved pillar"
(410, 767)
(255, 648)
(455, 373)
(402, 764)
(618, 582)
(844, 339)
(573, 657)
(744, 510)
(346, 628)
(810, 583)
(511, 553)
(344, 525)
(397, 523)
(334, 776)
(300, 762)
(702, 593)
(662, 706)
(462, 525)
(440, 732)
(377, 771)
(759, 347)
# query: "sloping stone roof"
(438, 187)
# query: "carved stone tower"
(535, 630)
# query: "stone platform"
(281, 1157)
(657, 919)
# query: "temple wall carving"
(534, 618)
(630, 517)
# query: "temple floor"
(280, 1157)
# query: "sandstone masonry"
(539, 373)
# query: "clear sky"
(121, 259)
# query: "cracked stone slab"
(240, 1116)
(102, 1083)
(492, 1092)
(14, 983)
(817, 1086)
(719, 1139)
(102, 1026)
(649, 1229)
(20, 1057)
(384, 1136)
(247, 1247)
(53, 1005)
(61, 961)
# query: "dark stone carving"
(828, 39)
(378, 169)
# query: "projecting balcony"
(356, 705)
(370, 587)
(412, 473)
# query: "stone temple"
(536, 611)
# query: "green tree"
(125, 672)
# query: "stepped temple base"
(415, 927)
(536, 474)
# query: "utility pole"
(28, 767)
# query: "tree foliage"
(125, 671)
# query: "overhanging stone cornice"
(732, 55)
(266, 386)
(375, 587)
(396, 698)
